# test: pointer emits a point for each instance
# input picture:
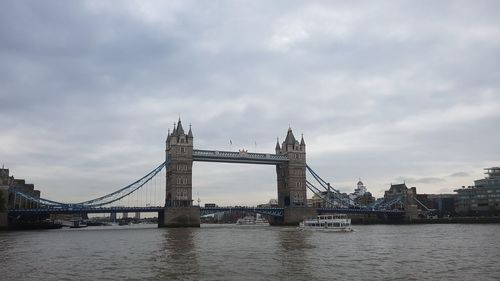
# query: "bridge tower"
(179, 209)
(291, 176)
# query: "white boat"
(78, 224)
(251, 220)
(331, 222)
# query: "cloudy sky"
(383, 91)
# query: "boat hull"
(330, 223)
(327, 229)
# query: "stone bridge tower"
(179, 154)
(292, 189)
(179, 209)
(292, 175)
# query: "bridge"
(175, 207)
(267, 211)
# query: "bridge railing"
(270, 211)
(215, 154)
(87, 210)
(357, 211)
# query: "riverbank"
(457, 220)
(35, 225)
(448, 220)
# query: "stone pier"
(4, 200)
(180, 217)
(293, 216)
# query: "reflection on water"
(293, 252)
(178, 255)
(229, 252)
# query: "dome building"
(361, 195)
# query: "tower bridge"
(178, 210)
(289, 159)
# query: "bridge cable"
(318, 193)
(90, 203)
(128, 189)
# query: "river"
(230, 252)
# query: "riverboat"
(250, 220)
(331, 222)
(78, 224)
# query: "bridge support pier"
(411, 212)
(179, 217)
(4, 221)
(4, 201)
(293, 216)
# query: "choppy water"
(213, 252)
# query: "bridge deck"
(238, 157)
(272, 211)
(87, 210)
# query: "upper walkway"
(238, 157)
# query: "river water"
(230, 252)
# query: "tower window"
(182, 167)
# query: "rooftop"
(493, 172)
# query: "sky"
(383, 91)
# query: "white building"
(359, 191)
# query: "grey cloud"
(410, 180)
(90, 88)
(429, 180)
(460, 174)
